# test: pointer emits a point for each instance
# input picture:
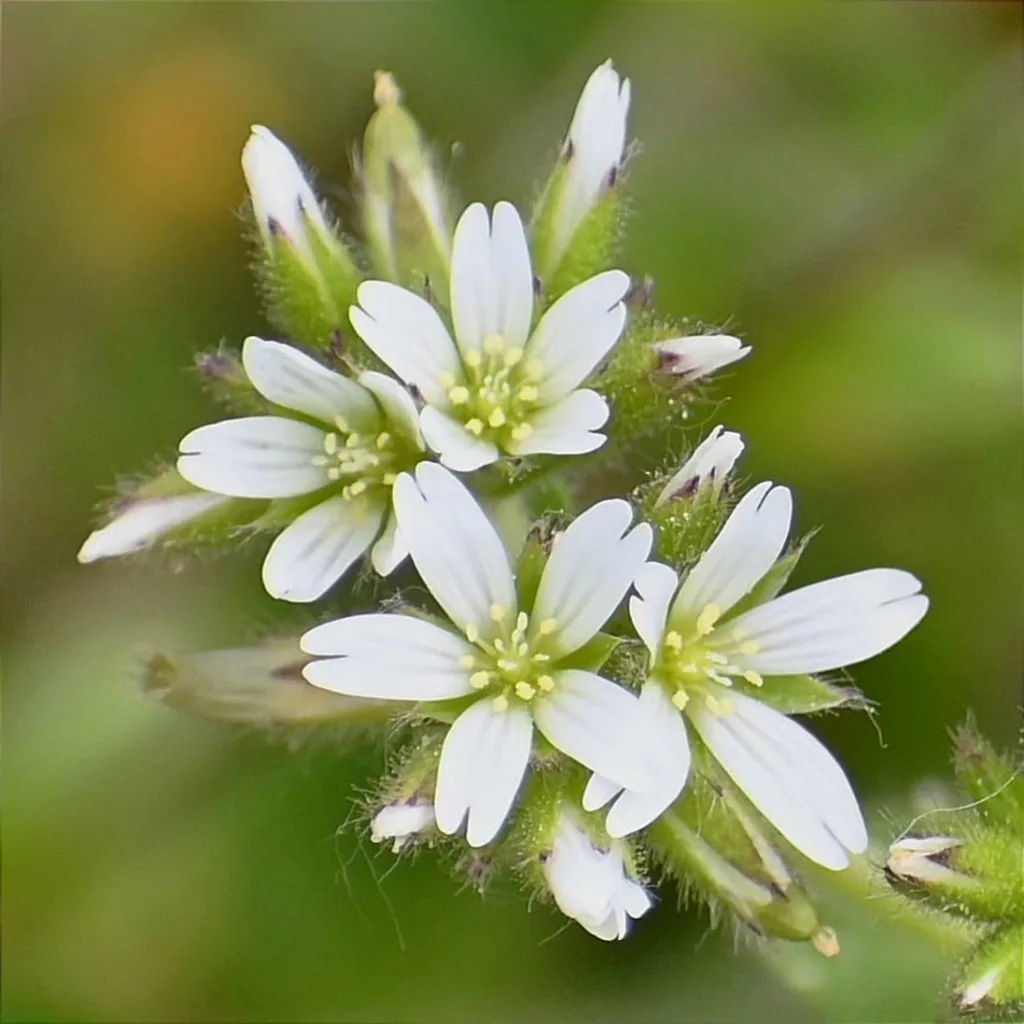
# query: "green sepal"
(994, 780)
(223, 377)
(260, 687)
(684, 529)
(803, 695)
(772, 582)
(592, 655)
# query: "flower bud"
(576, 222)
(401, 823)
(307, 272)
(720, 852)
(698, 355)
(160, 511)
(259, 686)
(592, 879)
(994, 780)
(405, 202)
(994, 977)
(405, 810)
(709, 466)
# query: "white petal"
(288, 378)
(407, 333)
(389, 657)
(456, 550)
(590, 568)
(833, 623)
(483, 761)
(577, 332)
(789, 776)
(598, 792)
(314, 552)
(398, 406)
(278, 188)
(145, 521)
(492, 282)
(655, 584)
(564, 428)
(593, 721)
(254, 457)
(699, 354)
(746, 547)
(458, 449)
(399, 821)
(663, 733)
(390, 550)
(711, 462)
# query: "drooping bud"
(993, 980)
(698, 355)
(404, 812)
(306, 270)
(576, 223)
(401, 823)
(720, 853)
(708, 467)
(261, 687)
(162, 512)
(406, 218)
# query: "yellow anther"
(499, 644)
(383, 439)
(494, 344)
(498, 612)
(497, 418)
(707, 619)
(467, 661)
(500, 703)
(478, 680)
(357, 488)
(473, 360)
(472, 633)
(513, 355)
(320, 461)
(447, 380)
(353, 441)
(341, 423)
(689, 669)
(528, 393)
(534, 369)
(507, 664)
(334, 473)
(673, 641)
(547, 626)
(716, 659)
(739, 633)
(388, 479)
(522, 621)
(521, 431)
(458, 395)
(680, 698)
(545, 683)
(524, 691)
(750, 647)
(475, 426)
(523, 650)
(541, 657)
(718, 705)
(331, 444)
(754, 678)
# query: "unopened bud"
(576, 223)
(159, 511)
(708, 467)
(994, 977)
(308, 274)
(259, 686)
(405, 202)
(401, 823)
(994, 780)
(697, 355)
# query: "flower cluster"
(573, 681)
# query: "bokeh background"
(840, 183)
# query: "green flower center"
(498, 392)
(361, 460)
(689, 665)
(512, 663)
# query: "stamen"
(467, 661)
(357, 488)
(523, 649)
(754, 678)
(500, 703)
(334, 473)
(497, 418)
(534, 369)
(320, 460)
(716, 659)
(494, 344)
(680, 698)
(547, 626)
(707, 619)
(341, 423)
(331, 444)
(475, 426)
(458, 395)
(673, 641)
(472, 633)
(447, 380)
(545, 683)
(388, 479)
(522, 621)
(383, 439)
(507, 664)
(478, 680)
(528, 393)
(521, 431)
(525, 691)
(353, 441)
(750, 647)
(473, 360)
(542, 657)
(498, 612)
(512, 356)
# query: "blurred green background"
(838, 182)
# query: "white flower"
(504, 662)
(401, 822)
(366, 434)
(698, 355)
(711, 462)
(592, 885)
(282, 200)
(145, 521)
(498, 388)
(702, 657)
(592, 153)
